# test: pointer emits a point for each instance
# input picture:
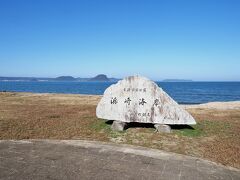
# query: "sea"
(182, 92)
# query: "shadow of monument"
(181, 126)
(139, 125)
(133, 125)
(150, 125)
(109, 122)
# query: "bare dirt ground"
(60, 116)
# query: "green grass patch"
(100, 125)
(191, 131)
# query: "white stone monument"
(137, 99)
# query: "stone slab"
(118, 125)
(162, 128)
(137, 99)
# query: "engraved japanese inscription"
(137, 99)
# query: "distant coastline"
(98, 78)
(177, 80)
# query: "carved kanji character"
(128, 101)
(142, 101)
(114, 100)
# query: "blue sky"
(182, 39)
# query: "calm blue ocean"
(182, 92)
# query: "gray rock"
(137, 99)
(118, 126)
(162, 128)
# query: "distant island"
(65, 78)
(177, 80)
(98, 78)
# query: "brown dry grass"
(59, 116)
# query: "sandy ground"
(216, 105)
(62, 116)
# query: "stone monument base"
(118, 126)
(162, 128)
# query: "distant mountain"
(177, 80)
(100, 77)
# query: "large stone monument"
(137, 99)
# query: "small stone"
(162, 128)
(118, 126)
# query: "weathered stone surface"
(162, 128)
(137, 99)
(118, 125)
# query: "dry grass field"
(59, 116)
